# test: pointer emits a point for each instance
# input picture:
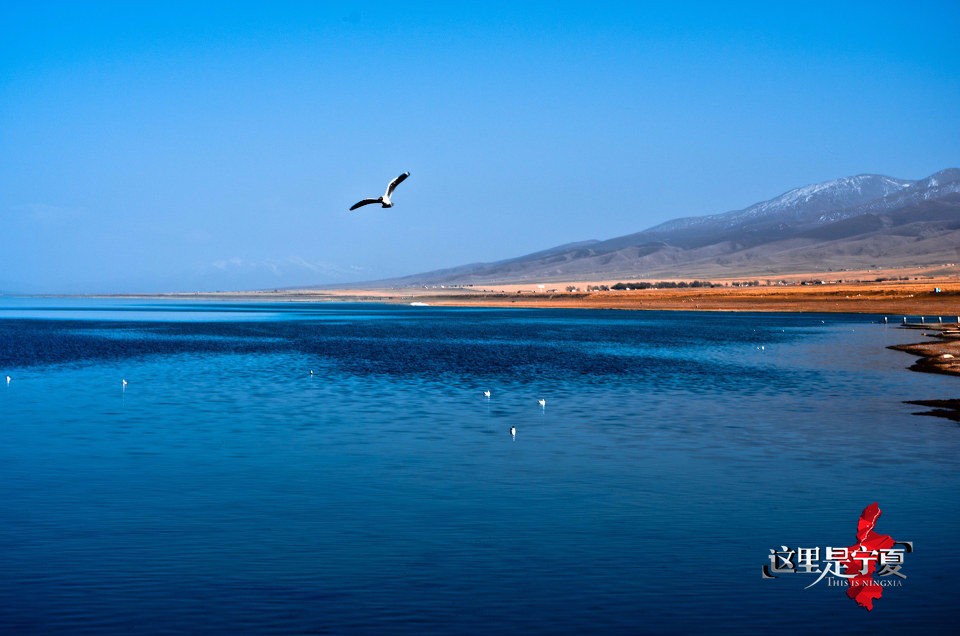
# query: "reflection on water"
(227, 489)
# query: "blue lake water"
(226, 490)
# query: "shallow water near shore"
(226, 489)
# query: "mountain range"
(860, 222)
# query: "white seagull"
(486, 394)
(123, 383)
(513, 432)
(8, 379)
(542, 403)
(384, 201)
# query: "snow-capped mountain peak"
(817, 198)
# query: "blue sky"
(181, 146)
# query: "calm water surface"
(225, 489)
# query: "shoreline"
(894, 299)
(909, 301)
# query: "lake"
(225, 489)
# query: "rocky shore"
(941, 355)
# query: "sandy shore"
(895, 299)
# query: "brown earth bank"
(903, 301)
(797, 292)
(896, 300)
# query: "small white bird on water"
(513, 432)
(486, 394)
(123, 383)
(385, 200)
(8, 379)
(542, 403)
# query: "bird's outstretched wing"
(364, 202)
(393, 184)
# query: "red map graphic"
(862, 588)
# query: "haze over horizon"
(177, 147)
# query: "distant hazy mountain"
(855, 222)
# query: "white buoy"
(311, 371)
(123, 383)
(8, 379)
(513, 432)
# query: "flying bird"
(384, 201)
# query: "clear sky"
(178, 146)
